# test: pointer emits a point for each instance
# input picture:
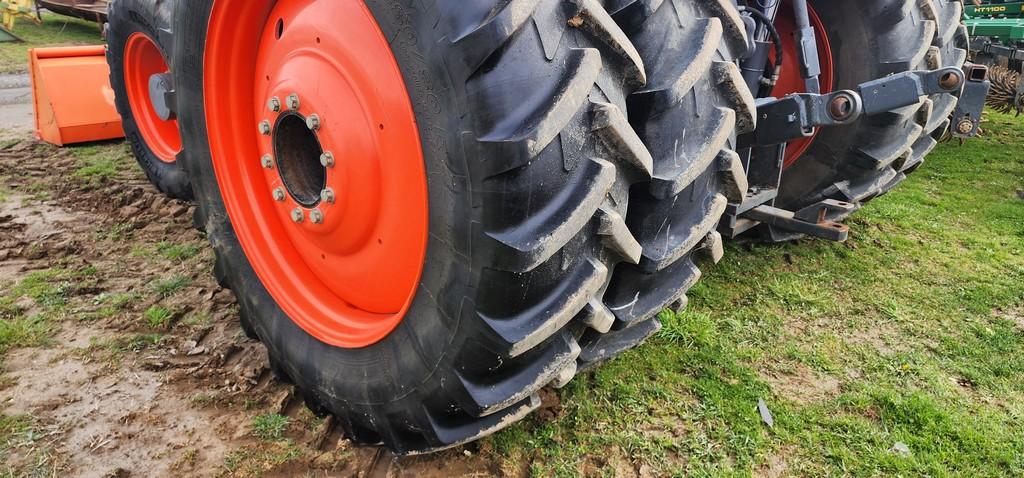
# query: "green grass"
(171, 251)
(912, 332)
(269, 426)
(109, 305)
(102, 162)
(158, 317)
(177, 252)
(56, 30)
(167, 287)
(28, 308)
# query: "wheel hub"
(297, 153)
(146, 80)
(320, 166)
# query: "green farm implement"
(997, 40)
(997, 32)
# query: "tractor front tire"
(527, 164)
(139, 43)
(866, 159)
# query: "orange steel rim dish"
(142, 59)
(316, 152)
(790, 80)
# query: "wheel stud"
(327, 196)
(267, 161)
(278, 194)
(297, 215)
(264, 127)
(327, 159)
(316, 216)
(274, 104)
(293, 101)
(313, 122)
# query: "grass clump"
(270, 426)
(158, 317)
(101, 163)
(169, 286)
(177, 252)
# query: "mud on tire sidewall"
(152, 18)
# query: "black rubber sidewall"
(126, 18)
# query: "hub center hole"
(297, 151)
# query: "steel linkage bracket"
(966, 122)
(799, 115)
(905, 89)
(781, 120)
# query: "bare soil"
(112, 394)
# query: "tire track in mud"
(113, 392)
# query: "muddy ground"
(140, 367)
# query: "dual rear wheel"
(430, 212)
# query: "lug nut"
(313, 122)
(327, 196)
(297, 215)
(264, 127)
(274, 104)
(293, 101)
(327, 159)
(278, 194)
(316, 216)
(267, 161)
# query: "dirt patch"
(800, 384)
(775, 465)
(1015, 315)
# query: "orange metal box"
(72, 97)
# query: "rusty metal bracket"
(812, 220)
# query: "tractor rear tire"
(529, 158)
(688, 115)
(872, 39)
(139, 40)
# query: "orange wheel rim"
(142, 60)
(317, 155)
(790, 80)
